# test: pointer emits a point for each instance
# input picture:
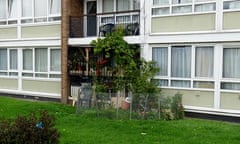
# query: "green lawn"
(76, 129)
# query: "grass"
(78, 129)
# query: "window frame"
(193, 78)
(48, 74)
(8, 70)
(170, 6)
(8, 20)
(40, 19)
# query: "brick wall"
(69, 8)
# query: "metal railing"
(102, 23)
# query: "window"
(181, 1)
(3, 61)
(13, 59)
(55, 60)
(40, 11)
(123, 5)
(54, 7)
(27, 59)
(27, 8)
(231, 69)
(160, 56)
(188, 66)
(108, 5)
(160, 2)
(8, 62)
(12, 8)
(3, 10)
(181, 61)
(231, 65)
(42, 62)
(231, 5)
(166, 7)
(8, 12)
(120, 5)
(41, 59)
(204, 62)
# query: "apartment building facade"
(30, 47)
(195, 43)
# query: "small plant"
(172, 108)
(29, 130)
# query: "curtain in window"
(41, 60)
(55, 60)
(13, 59)
(108, 5)
(136, 4)
(204, 62)
(12, 8)
(3, 12)
(3, 59)
(55, 7)
(27, 59)
(123, 5)
(181, 61)
(231, 63)
(40, 8)
(160, 56)
(26, 8)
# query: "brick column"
(69, 8)
(64, 52)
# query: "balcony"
(100, 24)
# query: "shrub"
(29, 130)
(172, 108)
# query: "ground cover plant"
(85, 129)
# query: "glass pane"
(123, 5)
(136, 4)
(181, 1)
(55, 7)
(205, 7)
(182, 9)
(180, 83)
(181, 61)
(204, 62)
(13, 60)
(3, 59)
(13, 74)
(41, 60)
(40, 8)
(201, 84)
(160, 56)
(160, 82)
(27, 74)
(41, 75)
(160, 11)
(230, 86)
(231, 5)
(55, 60)
(160, 2)
(108, 6)
(12, 8)
(55, 76)
(26, 8)
(3, 11)
(231, 62)
(27, 59)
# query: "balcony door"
(91, 18)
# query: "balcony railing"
(103, 23)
